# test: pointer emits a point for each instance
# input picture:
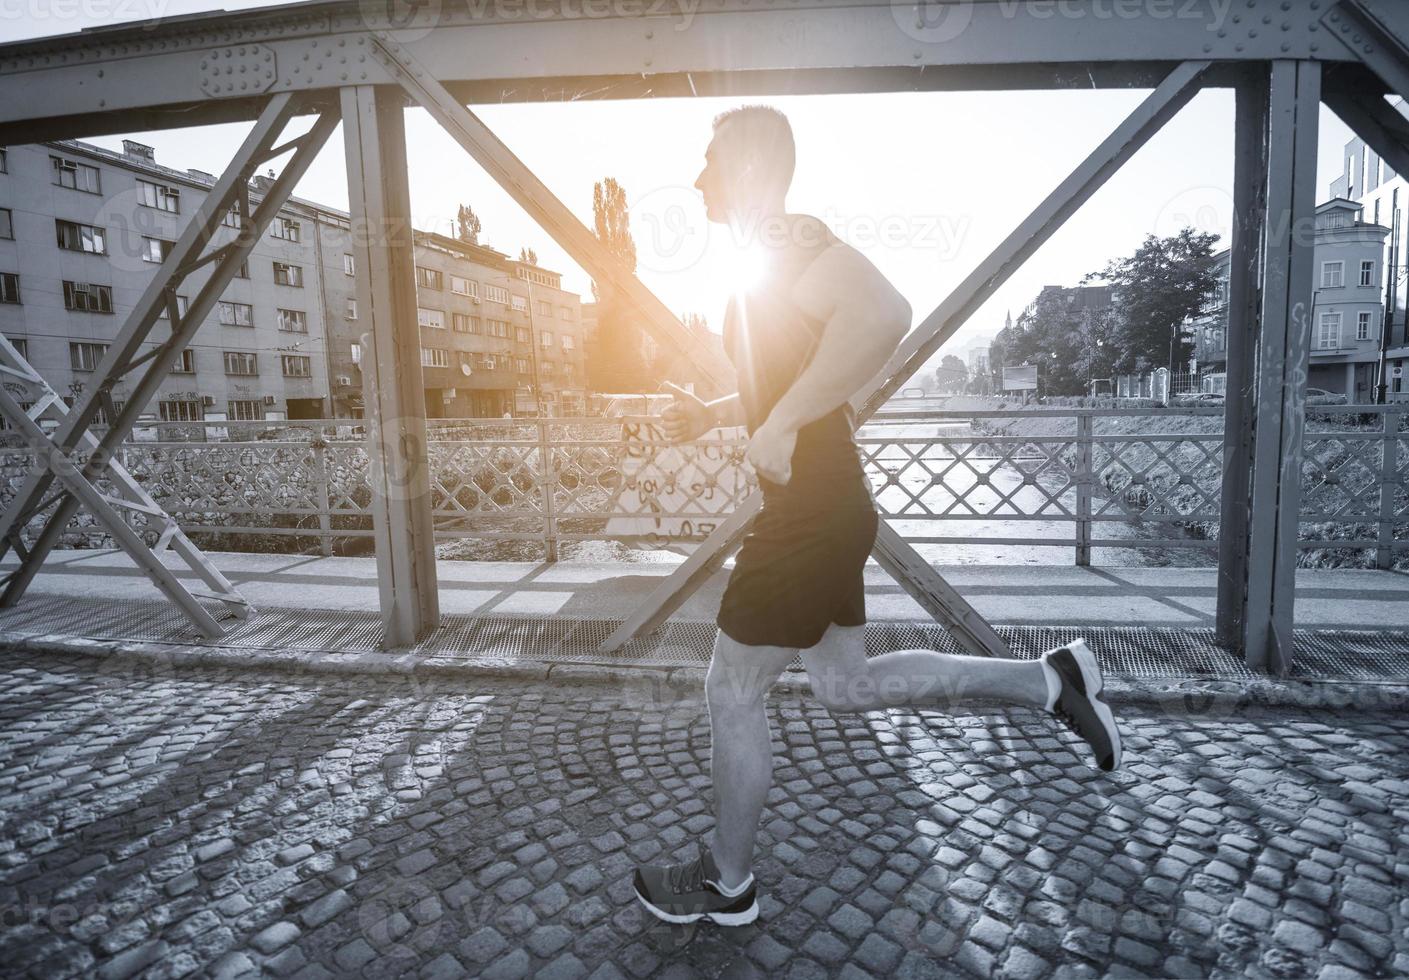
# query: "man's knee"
(740, 676)
(840, 691)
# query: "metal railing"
(1078, 478)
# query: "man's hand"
(771, 452)
(686, 418)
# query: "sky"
(923, 184)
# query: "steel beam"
(639, 48)
(1283, 357)
(556, 218)
(1384, 128)
(1239, 407)
(379, 197)
(1377, 33)
(124, 354)
(1171, 95)
(917, 576)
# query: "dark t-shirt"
(770, 340)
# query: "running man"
(818, 324)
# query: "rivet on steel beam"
(1286, 46)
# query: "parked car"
(1320, 396)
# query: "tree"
(952, 374)
(617, 360)
(528, 255)
(1156, 288)
(467, 225)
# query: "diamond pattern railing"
(619, 479)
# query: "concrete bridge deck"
(1352, 624)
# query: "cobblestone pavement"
(166, 823)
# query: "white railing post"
(1389, 473)
(547, 478)
(1085, 479)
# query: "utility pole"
(1391, 300)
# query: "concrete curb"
(1187, 698)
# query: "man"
(818, 324)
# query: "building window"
(4, 161)
(245, 410)
(522, 335)
(293, 321)
(567, 374)
(545, 339)
(185, 362)
(286, 228)
(350, 313)
(9, 287)
(430, 278)
(21, 347)
(1332, 274)
(463, 287)
(7, 224)
(545, 308)
(356, 350)
(74, 175)
(243, 272)
(498, 328)
(435, 357)
(182, 302)
(156, 250)
(349, 264)
(1328, 331)
(236, 314)
(496, 294)
(87, 297)
(288, 275)
(565, 312)
(521, 363)
(85, 356)
(159, 196)
(297, 366)
(1362, 325)
(547, 368)
(568, 343)
(233, 218)
(464, 323)
(74, 237)
(520, 304)
(241, 364)
(434, 319)
(180, 410)
(1367, 272)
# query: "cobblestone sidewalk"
(164, 823)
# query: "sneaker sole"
(718, 918)
(1095, 691)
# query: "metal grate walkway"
(1136, 651)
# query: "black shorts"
(800, 567)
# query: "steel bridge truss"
(364, 62)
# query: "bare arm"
(865, 317)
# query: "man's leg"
(844, 679)
(741, 747)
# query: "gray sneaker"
(689, 892)
(1077, 699)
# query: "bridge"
(363, 759)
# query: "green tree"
(617, 360)
(952, 374)
(1156, 288)
(467, 225)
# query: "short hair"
(763, 132)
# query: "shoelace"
(686, 878)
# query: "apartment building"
(84, 229)
(1347, 313)
(82, 232)
(1382, 195)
